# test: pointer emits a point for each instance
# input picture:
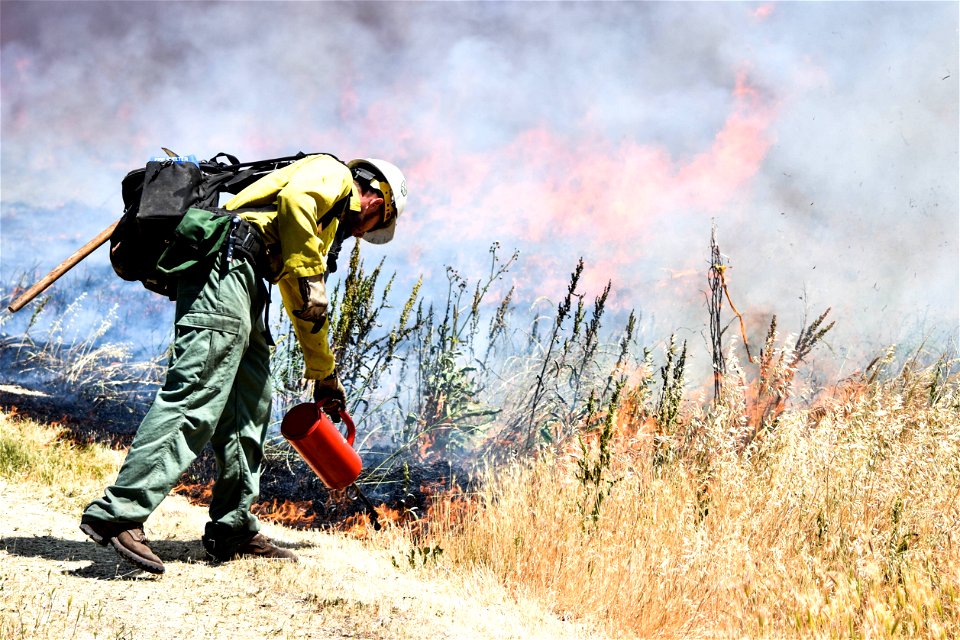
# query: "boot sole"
(93, 535)
(139, 561)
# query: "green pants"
(217, 390)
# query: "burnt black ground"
(392, 478)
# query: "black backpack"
(156, 197)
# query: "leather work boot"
(127, 538)
(257, 546)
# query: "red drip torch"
(332, 457)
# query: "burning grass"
(846, 526)
(838, 519)
(333, 510)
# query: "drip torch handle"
(351, 428)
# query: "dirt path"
(54, 583)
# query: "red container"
(331, 456)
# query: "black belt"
(245, 243)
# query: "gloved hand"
(313, 292)
(330, 395)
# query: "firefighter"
(287, 228)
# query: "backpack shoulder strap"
(239, 175)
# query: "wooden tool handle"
(62, 268)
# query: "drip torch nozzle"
(371, 511)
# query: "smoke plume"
(821, 139)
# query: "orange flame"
(290, 513)
(197, 493)
(607, 197)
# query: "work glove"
(313, 292)
(330, 395)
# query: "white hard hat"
(388, 179)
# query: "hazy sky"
(820, 138)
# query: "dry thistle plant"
(447, 415)
(667, 414)
(777, 368)
(364, 351)
(716, 278)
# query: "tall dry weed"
(81, 365)
(846, 527)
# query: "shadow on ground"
(105, 564)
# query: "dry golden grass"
(45, 456)
(839, 522)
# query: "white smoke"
(605, 130)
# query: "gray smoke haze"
(820, 138)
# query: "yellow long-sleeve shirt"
(291, 203)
